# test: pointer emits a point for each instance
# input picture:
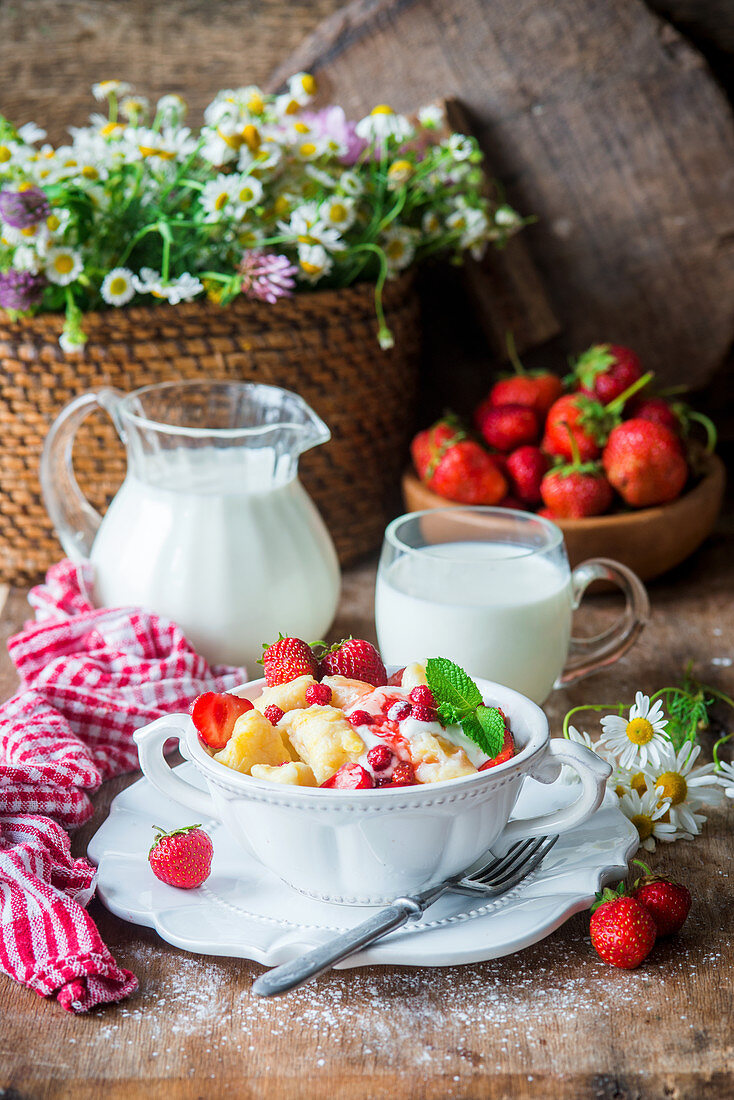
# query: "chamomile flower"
(71, 344)
(246, 193)
(382, 124)
(431, 117)
(646, 812)
(309, 147)
(63, 265)
(106, 88)
(431, 224)
(639, 739)
(725, 776)
(167, 144)
(118, 287)
(182, 289)
(302, 88)
(399, 173)
(398, 243)
(314, 261)
(350, 184)
(686, 788)
(217, 198)
(134, 108)
(338, 212)
(471, 224)
(307, 228)
(459, 146)
(171, 109)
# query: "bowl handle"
(150, 741)
(593, 773)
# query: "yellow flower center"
(382, 109)
(301, 128)
(310, 269)
(69, 164)
(638, 783)
(281, 205)
(338, 212)
(150, 151)
(63, 264)
(30, 231)
(400, 168)
(110, 128)
(395, 250)
(251, 137)
(221, 201)
(246, 194)
(672, 785)
(53, 222)
(89, 172)
(292, 107)
(643, 824)
(308, 83)
(5, 154)
(25, 186)
(640, 731)
(118, 285)
(308, 149)
(256, 104)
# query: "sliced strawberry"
(350, 777)
(506, 753)
(214, 715)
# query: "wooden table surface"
(552, 1022)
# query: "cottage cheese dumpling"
(254, 740)
(295, 774)
(288, 696)
(344, 692)
(324, 739)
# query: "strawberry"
(605, 371)
(397, 678)
(379, 757)
(512, 502)
(537, 389)
(622, 930)
(429, 445)
(182, 857)
(506, 753)
(587, 420)
(355, 659)
(350, 777)
(318, 695)
(287, 659)
(467, 474)
(667, 902)
(361, 718)
(577, 490)
(506, 427)
(214, 715)
(644, 463)
(273, 713)
(656, 409)
(403, 775)
(526, 467)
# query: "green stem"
(589, 706)
(715, 753)
(618, 403)
(512, 353)
(710, 427)
(165, 231)
(384, 335)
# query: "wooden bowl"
(650, 541)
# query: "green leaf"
(493, 730)
(450, 684)
(449, 714)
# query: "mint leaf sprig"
(459, 701)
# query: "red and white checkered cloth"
(89, 679)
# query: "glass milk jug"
(211, 527)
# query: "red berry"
(214, 715)
(656, 409)
(584, 418)
(383, 781)
(318, 695)
(403, 775)
(379, 757)
(506, 753)
(538, 390)
(512, 502)
(182, 857)
(422, 694)
(400, 710)
(644, 463)
(350, 777)
(422, 713)
(397, 678)
(526, 467)
(468, 475)
(429, 446)
(361, 718)
(667, 903)
(287, 659)
(623, 932)
(607, 370)
(507, 427)
(357, 660)
(273, 713)
(574, 491)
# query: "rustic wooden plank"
(553, 1023)
(598, 118)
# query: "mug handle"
(75, 521)
(150, 740)
(593, 773)
(587, 655)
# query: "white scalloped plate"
(244, 911)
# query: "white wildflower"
(639, 739)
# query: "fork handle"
(310, 965)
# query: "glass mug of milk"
(492, 590)
(211, 527)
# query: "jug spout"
(313, 431)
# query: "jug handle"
(75, 520)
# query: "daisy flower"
(171, 109)
(685, 787)
(106, 88)
(338, 213)
(459, 146)
(182, 289)
(471, 223)
(133, 108)
(725, 776)
(645, 812)
(350, 184)
(63, 265)
(314, 261)
(639, 739)
(431, 117)
(399, 173)
(169, 143)
(398, 243)
(246, 192)
(382, 124)
(302, 88)
(118, 287)
(217, 198)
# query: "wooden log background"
(51, 51)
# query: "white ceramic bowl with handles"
(368, 847)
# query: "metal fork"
(492, 877)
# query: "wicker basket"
(322, 345)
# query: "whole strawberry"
(182, 857)
(428, 446)
(645, 464)
(667, 902)
(467, 474)
(587, 420)
(607, 370)
(355, 659)
(526, 467)
(622, 930)
(656, 409)
(506, 427)
(577, 490)
(537, 389)
(287, 659)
